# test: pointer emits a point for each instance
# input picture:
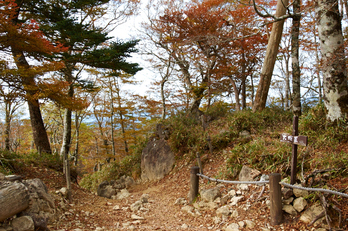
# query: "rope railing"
(266, 182)
(315, 189)
(232, 182)
(274, 185)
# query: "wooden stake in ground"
(275, 195)
(194, 184)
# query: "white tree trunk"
(332, 49)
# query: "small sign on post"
(295, 140)
(299, 140)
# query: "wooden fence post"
(194, 184)
(276, 199)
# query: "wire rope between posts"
(232, 182)
(315, 189)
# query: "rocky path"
(162, 206)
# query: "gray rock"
(24, 223)
(223, 211)
(288, 201)
(232, 227)
(122, 194)
(163, 132)
(180, 201)
(310, 213)
(106, 190)
(243, 187)
(290, 210)
(210, 195)
(136, 217)
(299, 204)
(234, 213)
(63, 191)
(144, 198)
(241, 224)
(299, 192)
(232, 193)
(248, 174)
(287, 193)
(128, 181)
(188, 209)
(42, 208)
(136, 206)
(157, 160)
(236, 199)
(249, 224)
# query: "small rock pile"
(40, 212)
(116, 189)
(227, 202)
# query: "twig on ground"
(262, 191)
(325, 207)
(339, 215)
(321, 215)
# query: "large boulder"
(42, 207)
(157, 160)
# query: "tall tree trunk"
(287, 83)
(163, 99)
(334, 67)
(252, 89)
(236, 93)
(7, 125)
(243, 82)
(320, 90)
(39, 131)
(243, 88)
(270, 58)
(38, 128)
(77, 138)
(123, 129)
(64, 152)
(112, 119)
(295, 47)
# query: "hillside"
(90, 212)
(263, 151)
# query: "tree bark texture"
(77, 138)
(335, 82)
(236, 93)
(39, 131)
(270, 58)
(64, 152)
(295, 48)
(7, 125)
(38, 128)
(14, 198)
